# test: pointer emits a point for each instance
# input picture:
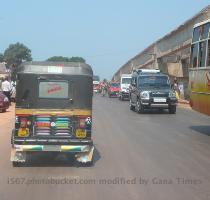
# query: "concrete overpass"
(171, 53)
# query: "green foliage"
(66, 59)
(1, 57)
(15, 54)
(58, 59)
(77, 59)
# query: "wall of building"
(171, 51)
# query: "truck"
(125, 82)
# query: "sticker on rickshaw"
(80, 133)
(23, 132)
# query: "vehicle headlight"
(124, 89)
(172, 94)
(144, 95)
(6, 99)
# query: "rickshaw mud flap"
(85, 157)
(17, 156)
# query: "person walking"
(103, 89)
(176, 88)
(6, 88)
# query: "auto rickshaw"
(53, 111)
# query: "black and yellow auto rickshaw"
(53, 110)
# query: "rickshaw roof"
(69, 68)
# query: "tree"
(15, 54)
(58, 59)
(77, 59)
(66, 59)
(1, 57)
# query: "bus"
(199, 71)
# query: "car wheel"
(131, 106)
(3, 110)
(139, 107)
(16, 164)
(172, 109)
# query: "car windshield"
(126, 80)
(115, 85)
(154, 81)
(53, 89)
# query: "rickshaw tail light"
(82, 123)
(23, 122)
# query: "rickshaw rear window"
(53, 89)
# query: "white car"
(125, 82)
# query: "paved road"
(152, 156)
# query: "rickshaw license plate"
(80, 133)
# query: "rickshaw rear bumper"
(83, 152)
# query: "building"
(3, 70)
(171, 54)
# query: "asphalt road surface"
(151, 156)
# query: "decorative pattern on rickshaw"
(50, 125)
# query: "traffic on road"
(144, 133)
(135, 155)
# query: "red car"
(113, 89)
(4, 102)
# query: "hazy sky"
(106, 33)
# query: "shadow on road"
(58, 160)
(154, 111)
(205, 130)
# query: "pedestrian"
(176, 88)
(6, 88)
(104, 89)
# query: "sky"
(105, 33)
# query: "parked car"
(4, 102)
(151, 89)
(113, 89)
